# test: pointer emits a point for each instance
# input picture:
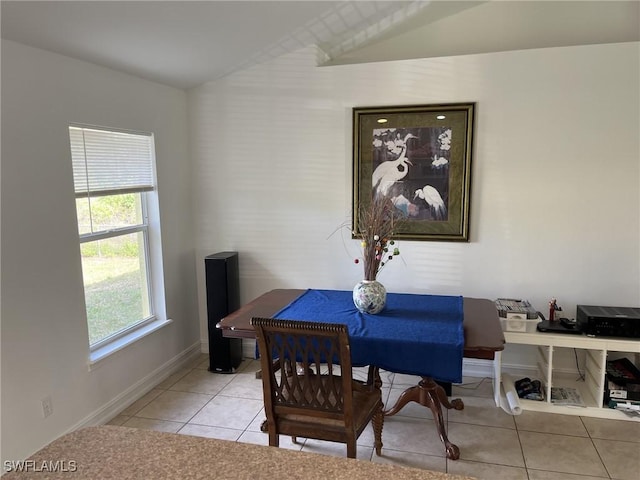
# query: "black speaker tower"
(223, 297)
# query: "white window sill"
(99, 354)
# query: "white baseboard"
(109, 410)
(473, 367)
(248, 347)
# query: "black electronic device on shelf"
(562, 325)
(623, 381)
(600, 321)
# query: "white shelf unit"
(596, 352)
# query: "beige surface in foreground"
(122, 453)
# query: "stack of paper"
(566, 396)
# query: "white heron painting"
(411, 167)
(419, 157)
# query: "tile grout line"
(213, 396)
(604, 465)
(524, 458)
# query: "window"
(114, 186)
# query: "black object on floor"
(223, 297)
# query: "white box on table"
(518, 322)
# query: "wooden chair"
(314, 394)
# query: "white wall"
(44, 332)
(555, 204)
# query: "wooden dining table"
(483, 337)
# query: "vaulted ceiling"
(187, 43)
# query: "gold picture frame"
(420, 157)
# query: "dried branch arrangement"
(376, 222)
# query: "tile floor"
(493, 445)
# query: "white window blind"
(108, 162)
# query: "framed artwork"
(420, 157)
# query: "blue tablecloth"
(414, 334)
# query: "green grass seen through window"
(113, 295)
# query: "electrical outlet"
(47, 406)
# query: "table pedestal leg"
(429, 394)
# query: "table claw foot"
(453, 452)
(444, 400)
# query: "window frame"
(120, 232)
(152, 251)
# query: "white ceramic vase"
(369, 296)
